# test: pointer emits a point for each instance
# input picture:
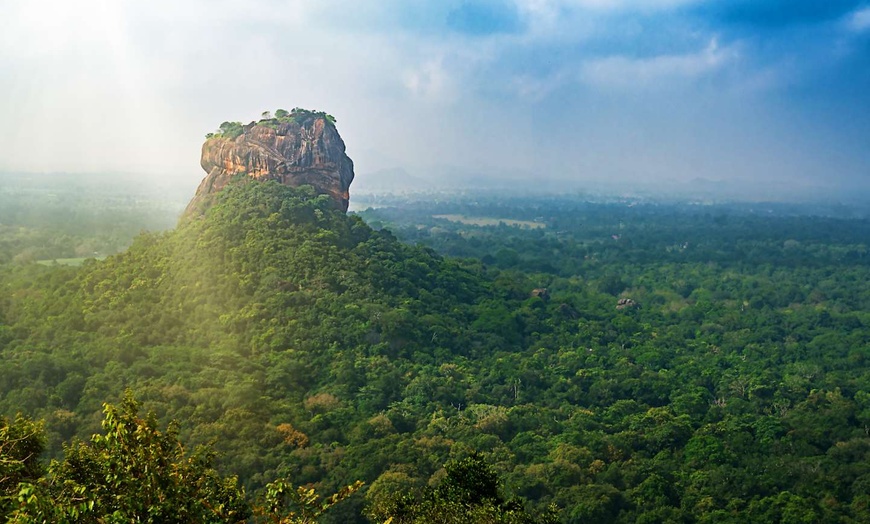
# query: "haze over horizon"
(752, 94)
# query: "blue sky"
(749, 92)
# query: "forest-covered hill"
(303, 344)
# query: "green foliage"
(306, 345)
(468, 493)
(228, 130)
(131, 473)
(21, 444)
(612, 285)
(298, 116)
(285, 504)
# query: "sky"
(750, 93)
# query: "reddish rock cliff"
(304, 149)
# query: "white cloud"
(430, 80)
(537, 88)
(631, 73)
(859, 20)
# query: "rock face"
(306, 150)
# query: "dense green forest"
(624, 363)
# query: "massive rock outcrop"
(298, 148)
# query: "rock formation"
(626, 303)
(298, 148)
(542, 293)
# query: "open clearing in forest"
(488, 221)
